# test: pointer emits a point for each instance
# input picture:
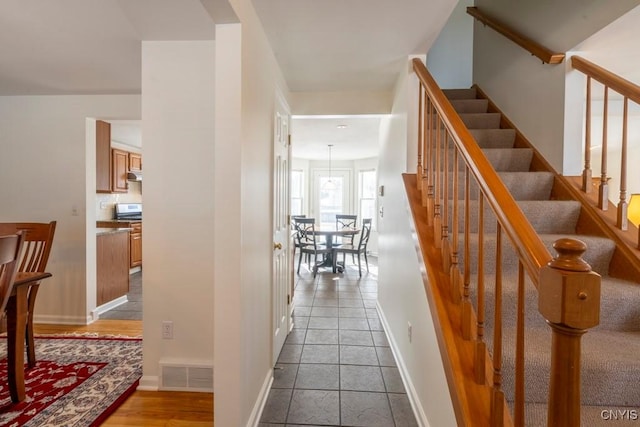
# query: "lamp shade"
(633, 210)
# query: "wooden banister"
(516, 227)
(613, 81)
(546, 55)
(569, 291)
(630, 92)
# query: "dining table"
(17, 314)
(329, 235)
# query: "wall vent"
(186, 377)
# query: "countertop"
(101, 231)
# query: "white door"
(281, 229)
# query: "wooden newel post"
(569, 299)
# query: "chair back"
(10, 247)
(305, 228)
(38, 238)
(346, 221)
(365, 234)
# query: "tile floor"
(132, 309)
(336, 367)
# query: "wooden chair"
(308, 243)
(360, 249)
(10, 248)
(345, 221)
(38, 238)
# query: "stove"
(129, 211)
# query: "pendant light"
(329, 185)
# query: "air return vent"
(185, 377)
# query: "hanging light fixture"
(329, 185)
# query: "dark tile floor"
(131, 310)
(336, 367)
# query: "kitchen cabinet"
(135, 244)
(103, 157)
(112, 265)
(120, 166)
(135, 162)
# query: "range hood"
(134, 176)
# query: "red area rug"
(77, 381)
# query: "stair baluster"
(420, 167)
(497, 394)
(586, 173)
(437, 194)
(467, 307)
(429, 162)
(603, 188)
(446, 249)
(622, 222)
(481, 347)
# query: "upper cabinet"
(103, 157)
(135, 162)
(120, 167)
(112, 164)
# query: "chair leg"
(359, 265)
(366, 261)
(31, 303)
(299, 261)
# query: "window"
(331, 196)
(297, 193)
(367, 194)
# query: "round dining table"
(329, 235)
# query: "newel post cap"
(569, 292)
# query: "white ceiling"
(94, 46)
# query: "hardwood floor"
(145, 408)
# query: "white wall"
(48, 167)
(501, 68)
(450, 58)
(178, 135)
(401, 295)
(246, 83)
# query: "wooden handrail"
(619, 84)
(525, 240)
(546, 55)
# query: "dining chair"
(360, 249)
(309, 244)
(345, 221)
(10, 247)
(38, 238)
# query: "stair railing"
(546, 55)
(629, 92)
(569, 292)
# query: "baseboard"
(149, 383)
(62, 320)
(108, 306)
(412, 394)
(256, 413)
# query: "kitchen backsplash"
(105, 203)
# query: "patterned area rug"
(77, 381)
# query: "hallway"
(336, 367)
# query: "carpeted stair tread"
(598, 255)
(469, 93)
(528, 185)
(509, 159)
(522, 185)
(494, 138)
(610, 366)
(592, 416)
(546, 216)
(502, 159)
(481, 120)
(470, 105)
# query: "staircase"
(610, 351)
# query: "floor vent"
(181, 377)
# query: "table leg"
(16, 325)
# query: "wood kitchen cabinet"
(112, 266)
(135, 244)
(120, 167)
(103, 157)
(135, 162)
